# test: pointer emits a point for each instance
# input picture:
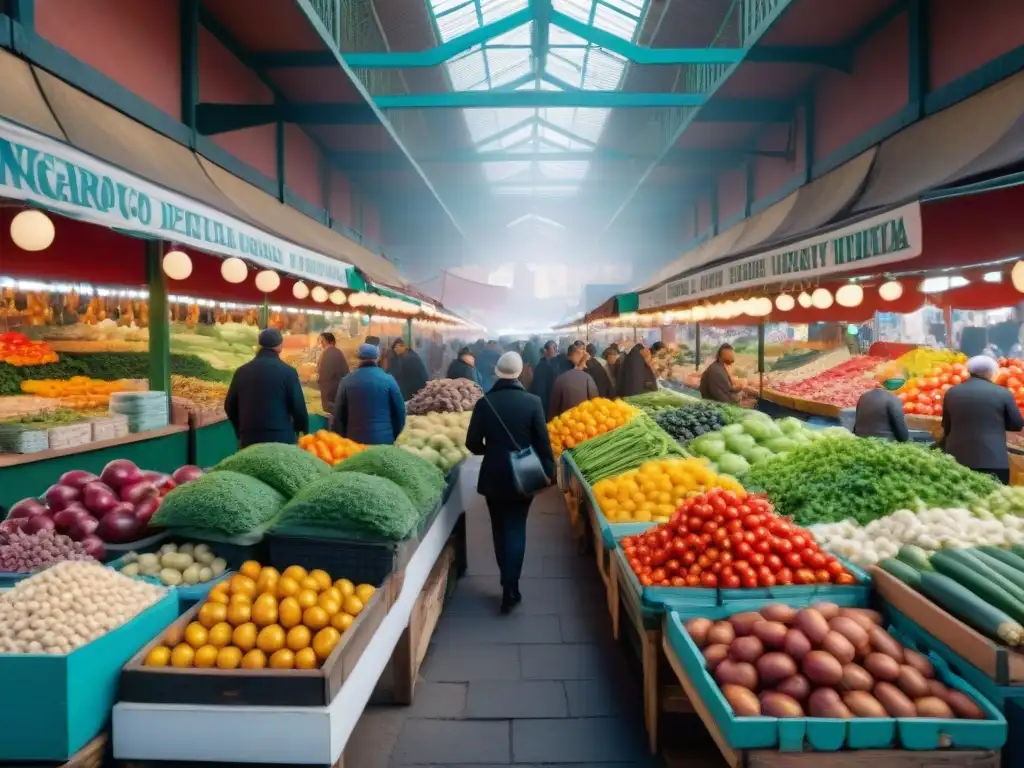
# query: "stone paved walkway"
(545, 686)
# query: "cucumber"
(1008, 572)
(1014, 561)
(966, 606)
(900, 570)
(1018, 550)
(969, 575)
(969, 558)
(915, 557)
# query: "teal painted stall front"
(213, 442)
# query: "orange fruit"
(175, 636)
(254, 659)
(306, 659)
(345, 586)
(182, 656)
(296, 572)
(196, 634)
(220, 634)
(298, 638)
(289, 612)
(315, 618)
(306, 598)
(239, 613)
(229, 658)
(160, 656)
(282, 659)
(212, 613)
(321, 577)
(324, 642)
(240, 584)
(218, 597)
(341, 621)
(264, 611)
(270, 639)
(352, 605)
(334, 593)
(287, 586)
(364, 592)
(206, 657)
(310, 583)
(244, 636)
(267, 580)
(239, 598)
(329, 604)
(251, 569)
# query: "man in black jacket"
(265, 403)
(408, 369)
(464, 366)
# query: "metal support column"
(760, 359)
(159, 321)
(189, 66)
(265, 313)
(696, 343)
(279, 149)
(919, 53)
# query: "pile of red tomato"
(924, 395)
(733, 540)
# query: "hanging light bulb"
(177, 265)
(821, 298)
(784, 302)
(234, 270)
(268, 281)
(804, 300)
(337, 297)
(893, 289)
(300, 290)
(319, 294)
(762, 307)
(851, 295)
(32, 230)
(1017, 276)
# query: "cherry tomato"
(645, 560)
(750, 522)
(749, 537)
(732, 526)
(743, 550)
(694, 524)
(695, 569)
(761, 532)
(793, 560)
(712, 552)
(691, 540)
(817, 560)
(705, 540)
(782, 546)
(731, 497)
(727, 570)
(804, 576)
(718, 504)
(710, 526)
(672, 566)
(774, 562)
(627, 541)
(741, 566)
(692, 580)
(721, 536)
(642, 550)
(799, 541)
(676, 518)
(646, 581)
(708, 580)
(845, 578)
(750, 580)
(784, 577)
(658, 574)
(806, 554)
(688, 558)
(767, 580)
(731, 581)
(678, 547)
(663, 535)
(704, 561)
(743, 509)
(736, 538)
(716, 567)
(763, 546)
(731, 513)
(725, 558)
(835, 567)
(756, 559)
(678, 581)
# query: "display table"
(291, 735)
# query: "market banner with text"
(37, 169)
(887, 238)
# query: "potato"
(778, 612)
(219, 565)
(205, 574)
(796, 644)
(203, 558)
(191, 574)
(170, 577)
(825, 702)
(715, 654)
(885, 643)
(863, 616)
(863, 704)
(721, 632)
(168, 548)
(852, 631)
(744, 702)
(919, 662)
(964, 706)
(748, 649)
(148, 560)
(187, 549)
(826, 609)
(822, 668)
(811, 623)
(775, 704)
(912, 682)
(935, 688)
(797, 686)
(771, 633)
(743, 623)
(882, 667)
(894, 700)
(775, 666)
(132, 569)
(697, 629)
(856, 678)
(839, 647)
(933, 706)
(736, 672)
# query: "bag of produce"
(224, 501)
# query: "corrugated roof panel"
(500, 171)
(494, 10)
(604, 71)
(457, 23)
(564, 170)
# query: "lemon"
(353, 605)
(289, 612)
(264, 612)
(206, 656)
(306, 598)
(229, 657)
(282, 659)
(364, 592)
(310, 583)
(329, 604)
(239, 613)
(254, 659)
(220, 635)
(244, 636)
(270, 639)
(196, 635)
(345, 586)
(324, 642)
(298, 638)
(182, 656)
(342, 621)
(159, 656)
(295, 572)
(322, 578)
(287, 586)
(251, 569)
(239, 584)
(315, 618)
(305, 658)
(211, 614)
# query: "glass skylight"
(506, 63)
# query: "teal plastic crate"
(655, 600)
(828, 734)
(54, 705)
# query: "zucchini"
(900, 570)
(1008, 572)
(970, 576)
(915, 557)
(1014, 561)
(966, 606)
(1018, 550)
(970, 558)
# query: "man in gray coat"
(880, 414)
(573, 387)
(976, 416)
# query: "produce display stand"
(812, 407)
(307, 735)
(210, 441)
(161, 450)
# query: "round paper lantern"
(784, 302)
(337, 297)
(762, 307)
(850, 296)
(234, 270)
(699, 314)
(1017, 276)
(821, 298)
(32, 230)
(804, 300)
(319, 294)
(893, 289)
(268, 280)
(300, 290)
(177, 265)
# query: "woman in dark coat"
(506, 418)
(636, 375)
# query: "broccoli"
(224, 501)
(286, 468)
(422, 482)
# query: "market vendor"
(976, 415)
(369, 407)
(265, 403)
(880, 414)
(716, 383)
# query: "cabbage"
(711, 446)
(740, 443)
(780, 445)
(759, 429)
(759, 454)
(790, 425)
(731, 464)
(733, 429)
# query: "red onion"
(137, 492)
(77, 478)
(67, 517)
(39, 523)
(186, 474)
(99, 498)
(59, 496)
(145, 510)
(94, 547)
(119, 525)
(84, 527)
(120, 472)
(27, 508)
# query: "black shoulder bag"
(528, 474)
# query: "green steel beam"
(540, 10)
(918, 48)
(189, 42)
(832, 56)
(221, 118)
(538, 100)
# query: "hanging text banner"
(883, 239)
(53, 175)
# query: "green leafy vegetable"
(418, 478)
(286, 468)
(223, 501)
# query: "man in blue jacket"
(369, 407)
(265, 403)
